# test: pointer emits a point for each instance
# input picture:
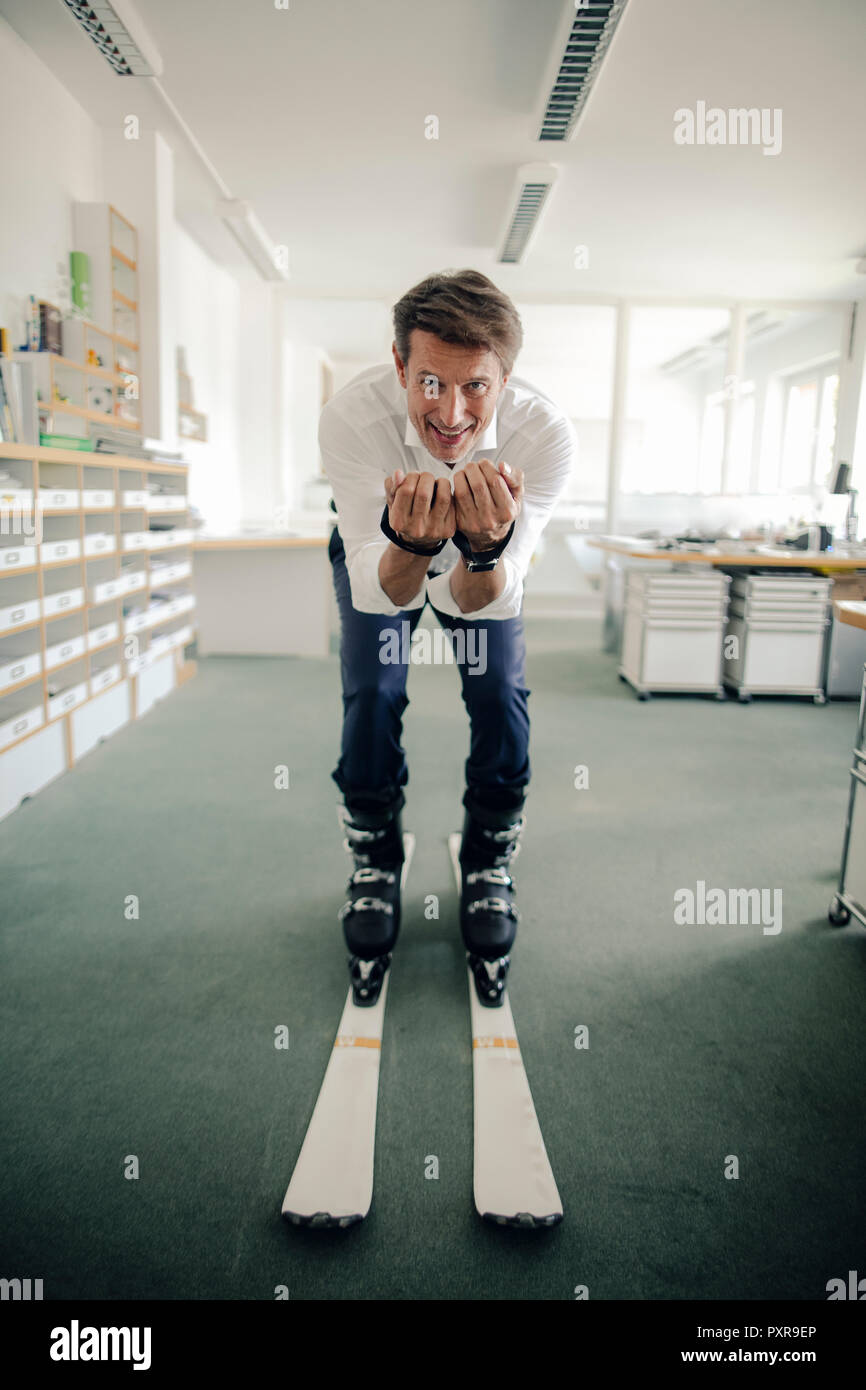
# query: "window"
(809, 428)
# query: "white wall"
(52, 157)
(207, 324)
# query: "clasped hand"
(486, 499)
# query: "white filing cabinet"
(672, 630)
(777, 627)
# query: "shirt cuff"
(505, 605)
(368, 596)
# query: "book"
(50, 328)
(65, 441)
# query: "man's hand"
(420, 507)
(487, 498)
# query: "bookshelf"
(110, 242)
(97, 609)
(78, 385)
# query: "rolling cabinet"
(779, 623)
(97, 609)
(672, 631)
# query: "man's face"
(452, 393)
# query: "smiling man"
(445, 470)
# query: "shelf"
(118, 378)
(20, 685)
(96, 416)
(120, 256)
(26, 627)
(129, 304)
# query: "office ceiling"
(316, 114)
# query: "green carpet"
(154, 1036)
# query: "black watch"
(387, 530)
(477, 561)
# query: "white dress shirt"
(365, 434)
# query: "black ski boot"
(488, 916)
(371, 917)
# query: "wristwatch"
(478, 561)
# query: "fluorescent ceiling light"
(530, 196)
(581, 45)
(119, 35)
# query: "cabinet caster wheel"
(644, 695)
(745, 698)
(838, 915)
(819, 700)
(720, 695)
(622, 677)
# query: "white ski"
(332, 1184)
(513, 1181)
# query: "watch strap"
(388, 531)
(481, 559)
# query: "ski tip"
(524, 1220)
(322, 1220)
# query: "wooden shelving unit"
(96, 603)
(111, 243)
(80, 389)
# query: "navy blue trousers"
(374, 656)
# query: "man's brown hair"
(460, 306)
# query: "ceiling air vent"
(531, 194)
(119, 35)
(589, 34)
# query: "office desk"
(262, 595)
(625, 551)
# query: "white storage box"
(98, 542)
(136, 622)
(15, 557)
(135, 579)
(97, 497)
(19, 613)
(19, 668)
(107, 589)
(59, 652)
(98, 636)
(135, 497)
(16, 498)
(63, 600)
(104, 677)
(21, 724)
(58, 498)
(136, 540)
(52, 551)
(166, 502)
(67, 699)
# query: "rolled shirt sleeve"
(359, 494)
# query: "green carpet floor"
(155, 1037)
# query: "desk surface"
(763, 557)
(851, 612)
(258, 542)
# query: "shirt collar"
(487, 440)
